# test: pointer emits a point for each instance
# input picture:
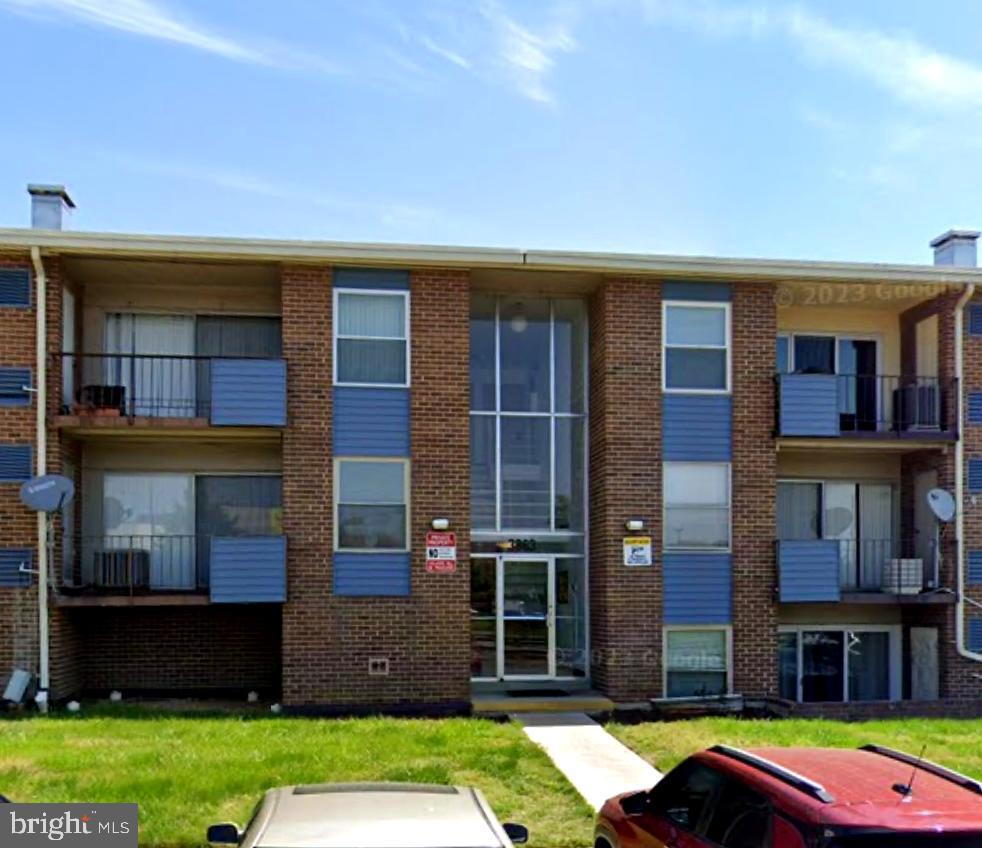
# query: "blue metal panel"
(15, 463)
(371, 278)
(975, 568)
(975, 320)
(11, 560)
(371, 574)
(809, 570)
(975, 475)
(677, 290)
(697, 427)
(12, 386)
(698, 588)
(809, 405)
(975, 407)
(15, 287)
(371, 422)
(248, 569)
(248, 392)
(975, 634)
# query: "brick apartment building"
(262, 433)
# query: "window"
(696, 663)
(697, 505)
(685, 795)
(528, 414)
(833, 664)
(696, 347)
(741, 818)
(372, 496)
(371, 335)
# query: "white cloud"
(153, 20)
(525, 55)
(898, 63)
(451, 56)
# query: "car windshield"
(912, 840)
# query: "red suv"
(798, 798)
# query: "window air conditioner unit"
(903, 576)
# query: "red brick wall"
(328, 640)
(310, 642)
(961, 677)
(216, 647)
(18, 525)
(754, 319)
(625, 482)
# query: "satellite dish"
(47, 493)
(942, 504)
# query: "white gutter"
(41, 399)
(960, 611)
(76, 243)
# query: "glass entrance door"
(526, 613)
(513, 618)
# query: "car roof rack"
(792, 778)
(961, 780)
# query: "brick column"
(440, 445)
(310, 655)
(18, 525)
(754, 494)
(625, 482)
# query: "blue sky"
(817, 130)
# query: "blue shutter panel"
(975, 320)
(975, 568)
(15, 463)
(698, 588)
(975, 407)
(248, 569)
(11, 560)
(975, 475)
(368, 574)
(248, 392)
(15, 287)
(696, 428)
(809, 570)
(710, 292)
(371, 278)
(12, 386)
(975, 635)
(371, 422)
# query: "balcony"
(865, 407)
(858, 571)
(178, 569)
(106, 390)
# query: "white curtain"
(840, 523)
(876, 517)
(798, 506)
(153, 512)
(156, 383)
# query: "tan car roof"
(376, 816)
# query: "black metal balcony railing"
(858, 404)
(129, 385)
(132, 564)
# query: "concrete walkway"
(592, 760)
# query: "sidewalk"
(592, 760)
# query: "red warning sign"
(441, 552)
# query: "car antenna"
(907, 789)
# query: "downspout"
(41, 399)
(960, 610)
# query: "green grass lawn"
(956, 744)
(187, 772)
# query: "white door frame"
(501, 562)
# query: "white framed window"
(696, 347)
(696, 505)
(698, 661)
(371, 337)
(832, 663)
(371, 504)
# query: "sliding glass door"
(152, 513)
